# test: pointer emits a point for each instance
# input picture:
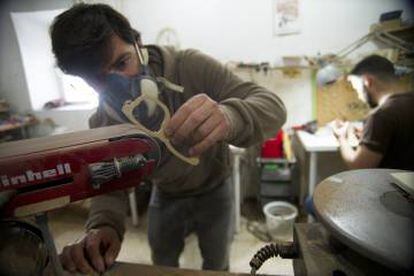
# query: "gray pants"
(209, 215)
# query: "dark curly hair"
(81, 37)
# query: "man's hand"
(340, 129)
(354, 155)
(96, 251)
(200, 122)
(357, 132)
(345, 132)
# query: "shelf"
(273, 160)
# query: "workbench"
(126, 269)
(315, 144)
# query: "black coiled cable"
(285, 250)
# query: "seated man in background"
(387, 139)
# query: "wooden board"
(339, 101)
(125, 269)
(407, 82)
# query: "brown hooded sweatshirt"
(254, 112)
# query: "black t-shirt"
(389, 130)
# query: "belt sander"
(41, 174)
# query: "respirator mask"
(136, 100)
(120, 88)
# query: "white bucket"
(280, 216)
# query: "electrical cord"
(286, 250)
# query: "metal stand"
(236, 175)
(133, 206)
(313, 170)
(321, 254)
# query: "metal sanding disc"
(368, 213)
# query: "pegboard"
(339, 101)
(407, 82)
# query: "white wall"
(294, 92)
(239, 30)
(13, 86)
(242, 29)
(35, 51)
(70, 119)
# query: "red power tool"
(51, 172)
(42, 174)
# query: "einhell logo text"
(30, 176)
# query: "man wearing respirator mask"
(210, 109)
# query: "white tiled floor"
(67, 226)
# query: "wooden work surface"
(315, 142)
(10, 126)
(339, 101)
(121, 269)
(27, 121)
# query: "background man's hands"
(340, 129)
(96, 251)
(200, 122)
(346, 132)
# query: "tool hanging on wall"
(391, 32)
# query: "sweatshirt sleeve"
(108, 209)
(254, 112)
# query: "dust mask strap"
(142, 55)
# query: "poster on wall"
(286, 17)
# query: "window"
(76, 90)
(45, 82)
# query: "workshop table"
(314, 144)
(21, 126)
(153, 270)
